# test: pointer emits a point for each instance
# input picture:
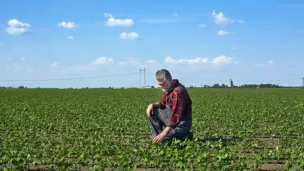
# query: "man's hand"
(160, 137)
(149, 110)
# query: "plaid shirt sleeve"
(177, 105)
(162, 102)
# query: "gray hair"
(163, 74)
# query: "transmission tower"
(139, 78)
(144, 70)
(145, 77)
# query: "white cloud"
(202, 25)
(222, 33)
(171, 60)
(17, 27)
(22, 58)
(197, 60)
(219, 18)
(115, 22)
(103, 60)
(130, 35)
(16, 23)
(107, 15)
(221, 60)
(67, 25)
(13, 30)
(54, 65)
(71, 37)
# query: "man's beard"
(166, 89)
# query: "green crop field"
(107, 129)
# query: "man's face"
(163, 84)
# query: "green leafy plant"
(98, 129)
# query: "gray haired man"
(171, 116)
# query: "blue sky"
(200, 42)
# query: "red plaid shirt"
(179, 102)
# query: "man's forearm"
(167, 130)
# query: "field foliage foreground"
(97, 129)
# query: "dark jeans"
(158, 120)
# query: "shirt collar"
(174, 84)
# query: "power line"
(62, 79)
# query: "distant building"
(230, 84)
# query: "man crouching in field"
(171, 116)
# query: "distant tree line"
(260, 86)
(247, 86)
(19, 87)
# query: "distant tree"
(216, 85)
